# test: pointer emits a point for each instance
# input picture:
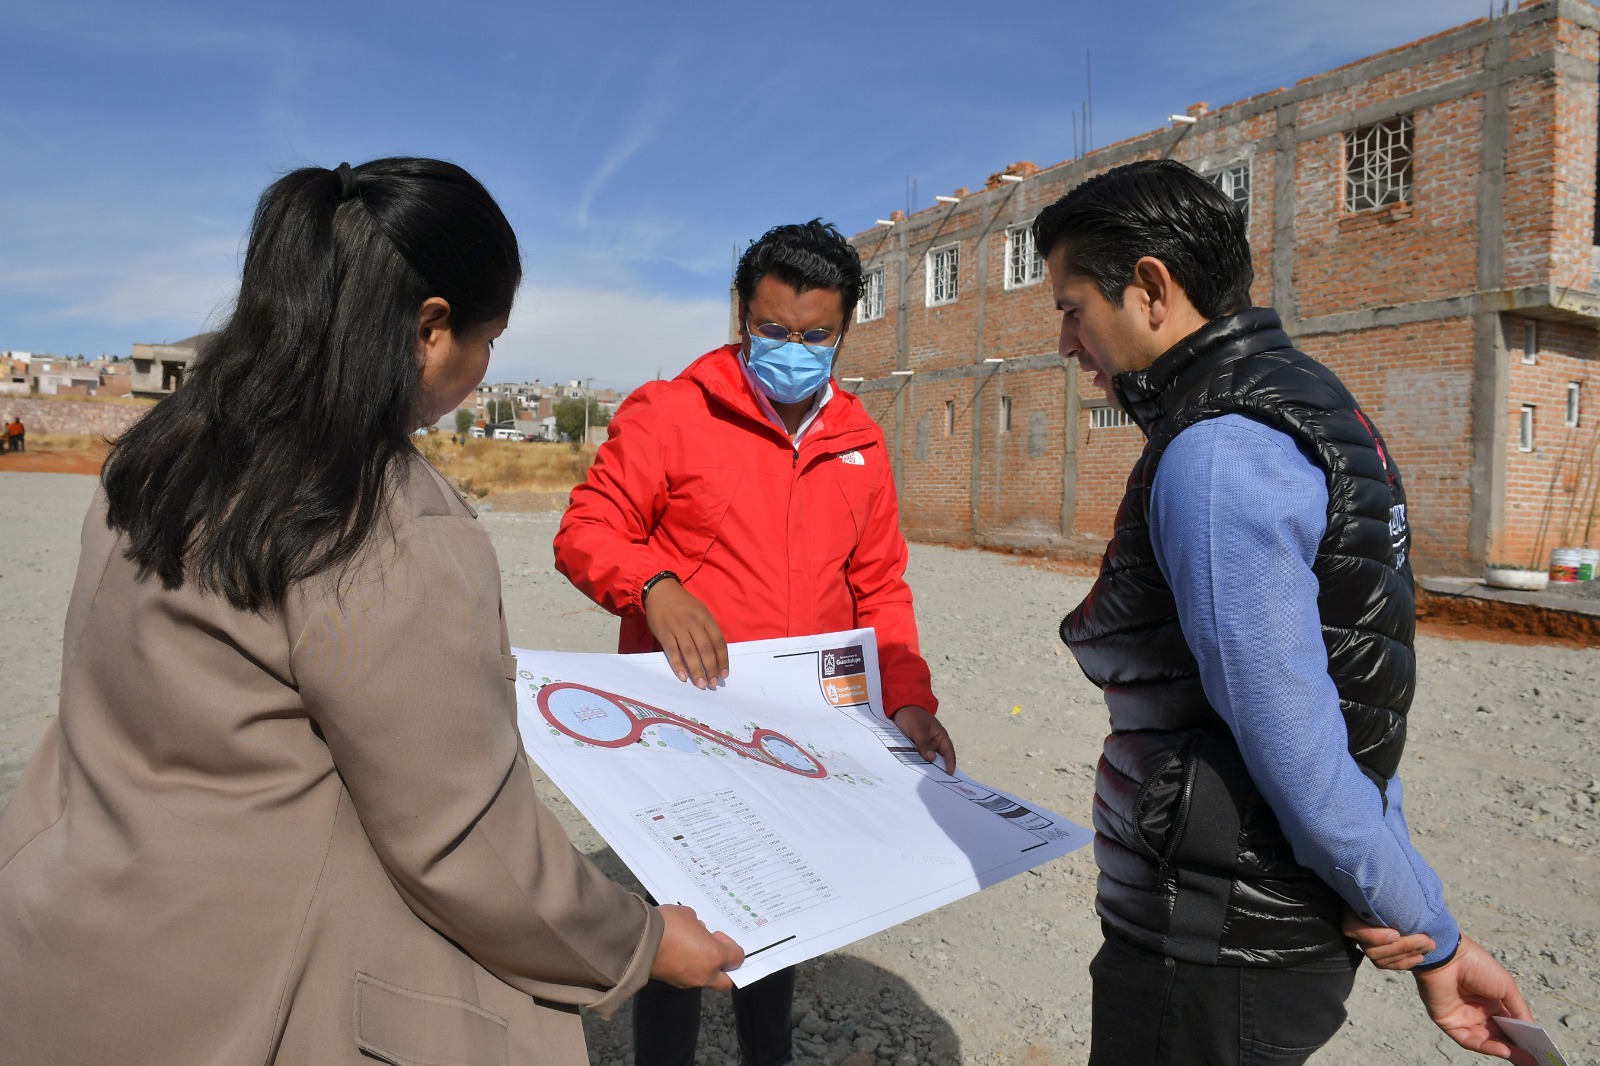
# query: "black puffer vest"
(1192, 861)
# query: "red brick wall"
(1020, 483)
(1422, 249)
(1550, 499)
(869, 347)
(1416, 380)
(1415, 383)
(938, 464)
(1105, 456)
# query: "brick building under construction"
(1425, 222)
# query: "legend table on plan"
(735, 857)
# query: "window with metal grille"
(1108, 418)
(1525, 440)
(949, 417)
(944, 267)
(871, 305)
(1023, 265)
(1530, 343)
(1377, 164)
(1574, 397)
(1005, 414)
(1234, 182)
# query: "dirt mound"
(1469, 618)
(53, 461)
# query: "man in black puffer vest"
(1251, 628)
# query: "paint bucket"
(1589, 565)
(1564, 564)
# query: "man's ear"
(744, 330)
(1157, 290)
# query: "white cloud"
(163, 293)
(619, 338)
(640, 128)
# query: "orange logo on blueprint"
(844, 676)
(845, 691)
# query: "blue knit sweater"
(1236, 514)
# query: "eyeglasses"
(816, 340)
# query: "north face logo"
(852, 458)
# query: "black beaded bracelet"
(644, 590)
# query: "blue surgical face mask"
(788, 371)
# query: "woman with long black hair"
(284, 814)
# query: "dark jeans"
(1150, 1010)
(666, 1022)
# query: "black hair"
(1159, 208)
(271, 462)
(804, 256)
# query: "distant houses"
(28, 374)
(531, 407)
(150, 372)
(160, 368)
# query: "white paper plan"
(783, 806)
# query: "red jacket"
(776, 542)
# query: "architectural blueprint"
(781, 805)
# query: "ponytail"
(272, 462)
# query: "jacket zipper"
(1181, 818)
(1181, 821)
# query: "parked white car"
(507, 434)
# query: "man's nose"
(1069, 339)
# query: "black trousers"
(1151, 1010)
(666, 1022)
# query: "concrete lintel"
(879, 249)
(1579, 11)
(1552, 303)
(963, 372)
(1573, 68)
(1049, 361)
(1396, 315)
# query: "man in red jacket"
(748, 498)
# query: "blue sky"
(633, 145)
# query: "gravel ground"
(1502, 796)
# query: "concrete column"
(1069, 451)
(975, 486)
(1283, 210)
(1491, 397)
(1491, 364)
(901, 361)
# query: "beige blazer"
(304, 837)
